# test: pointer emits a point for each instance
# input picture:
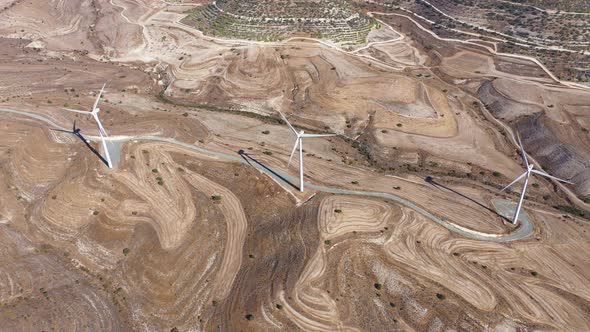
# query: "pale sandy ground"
(187, 251)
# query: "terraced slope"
(266, 20)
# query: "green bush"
(571, 210)
(126, 251)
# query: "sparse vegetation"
(570, 209)
(440, 296)
(126, 251)
(329, 20)
(377, 286)
(249, 317)
(216, 197)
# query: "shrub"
(377, 286)
(216, 197)
(126, 251)
(496, 174)
(327, 242)
(570, 209)
(440, 296)
(399, 124)
(397, 187)
(266, 132)
(534, 273)
(155, 170)
(280, 307)
(338, 211)
(96, 212)
(354, 182)
(174, 329)
(249, 317)
(268, 153)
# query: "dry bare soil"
(176, 236)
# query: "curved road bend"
(505, 207)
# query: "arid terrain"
(200, 224)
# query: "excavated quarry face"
(176, 237)
(548, 120)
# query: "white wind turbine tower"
(529, 169)
(101, 131)
(299, 142)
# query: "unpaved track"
(524, 230)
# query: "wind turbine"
(529, 169)
(299, 143)
(101, 131)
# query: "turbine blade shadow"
(61, 130)
(246, 156)
(91, 148)
(439, 186)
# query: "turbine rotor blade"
(318, 135)
(98, 97)
(293, 152)
(522, 152)
(289, 124)
(515, 180)
(63, 131)
(100, 127)
(550, 176)
(106, 150)
(76, 111)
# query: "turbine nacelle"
(101, 131)
(298, 144)
(526, 175)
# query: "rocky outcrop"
(557, 154)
